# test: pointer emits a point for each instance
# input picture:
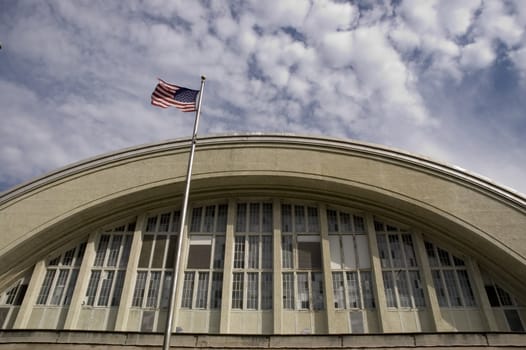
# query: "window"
(350, 261)
(450, 278)
(109, 268)
(302, 279)
(61, 277)
(156, 262)
(400, 272)
(253, 257)
(203, 277)
(500, 299)
(10, 300)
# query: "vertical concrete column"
(226, 302)
(79, 293)
(326, 266)
(427, 281)
(129, 280)
(376, 267)
(276, 265)
(30, 299)
(480, 294)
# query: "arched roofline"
(455, 173)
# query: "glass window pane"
(202, 290)
(312, 215)
(217, 290)
(119, 283)
(309, 255)
(266, 251)
(188, 289)
(164, 222)
(416, 286)
(199, 256)
(239, 252)
(286, 251)
(172, 248)
(208, 224)
(253, 252)
(151, 223)
(105, 289)
(140, 286)
(286, 218)
(67, 259)
(367, 289)
(153, 289)
(92, 287)
(60, 287)
(114, 250)
(222, 210)
(318, 301)
(158, 252)
(303, 290)
(444, 257)
(252, 290)
(219, 252)
(71, 286)
(241, 218)
(396, 251)
(332, 220)
(505, 298)
(167, 284)
(353, 290)
(146, 249)
(382, 250)
(254, 218)
(195, 225)
(431, 255)
(237, 290)
(514, 320)
(439, 288)
(267, 220)
(409, 250)
(359, 224)
(126, 251)
(389, 288)
(452, 289)
(403, 289)
(465, 287)
(288, 291)
(338, 289)
(46, 286)
(101, 250)
(299, 219)
(266, 290)
(176, 222)
(345, 219)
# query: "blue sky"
(445, 79)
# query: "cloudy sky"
(445, 79)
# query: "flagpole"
(171, 307)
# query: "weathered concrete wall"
(27, 339)
(473, 212)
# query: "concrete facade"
(438, 208)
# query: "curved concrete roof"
(474, 213)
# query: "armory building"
(285, 236)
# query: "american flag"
(166, 95)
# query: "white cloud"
(76, 78)
(477, 55)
